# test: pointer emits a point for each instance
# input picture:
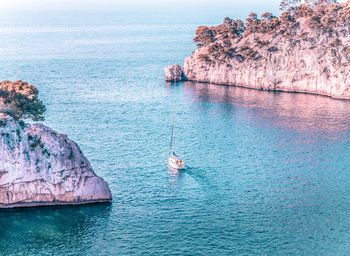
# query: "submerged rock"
(173, 73)
(41, 167)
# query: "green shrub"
(21, 100)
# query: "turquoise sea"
(268, 173)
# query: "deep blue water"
(268, 173)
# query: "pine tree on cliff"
(252, 24)
(291, 5)
(20, 100)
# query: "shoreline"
(268, 90)
(43, 204)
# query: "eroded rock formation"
(305, 52)
(173, 73)
(41, 167)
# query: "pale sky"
(106, 4)
(237, 9)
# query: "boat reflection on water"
(175, 177)
(174, 173)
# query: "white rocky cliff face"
(294, 56)
(173, 73)
(311, 61)
(41, 167)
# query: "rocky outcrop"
(298, 54)
(41, 167)
(173, 73)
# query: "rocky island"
(306, 49)
(39, 166)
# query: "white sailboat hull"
(175, 163)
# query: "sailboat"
(174, 161)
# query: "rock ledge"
(173, 73)
(41, 167)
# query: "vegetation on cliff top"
(20, 100)
(319, 14)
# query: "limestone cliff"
(173, 73)
(41, 167)
(305, 52)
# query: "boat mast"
(172, 140)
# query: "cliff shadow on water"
(298, 111)
(35, 229)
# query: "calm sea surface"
(268, 173)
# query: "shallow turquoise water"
(268, 172)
